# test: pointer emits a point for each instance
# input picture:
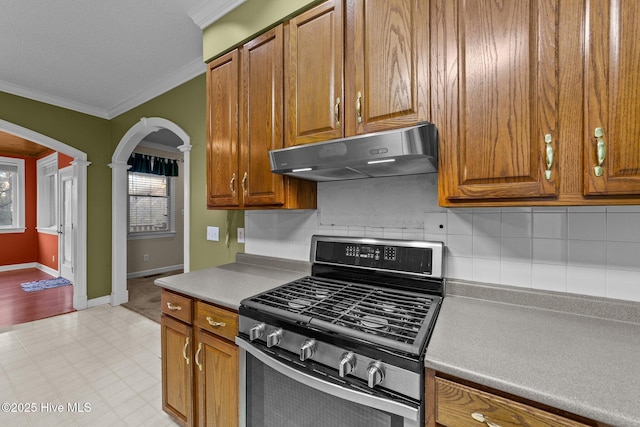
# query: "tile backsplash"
(584, 250)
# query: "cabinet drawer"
(216, 320)
(177, 306)
(455, 404)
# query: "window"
(151, 205)
(48, 193)
(11, 195)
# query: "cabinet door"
(613, 106)
(386, 59)
(261, 118)
(217, 381)
(313, 75)
(222, 131)
(495, 73)
(177, 372)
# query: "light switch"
(213, 233)
(240, 235)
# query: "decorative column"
(79, 166)
(119, 292)
(186, 153)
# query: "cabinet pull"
(197, 358)
(359, 107)
(244, 184)
(601, 152)
(549, 155)
(214, 323)
(173, 307)
(481, 418)
(184, 350)
(232, 184)
(336, 110)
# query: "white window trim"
(41, 165)
(20, 225)
(142, 235)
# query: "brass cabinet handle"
(336, 110)
(359, 107)
(198, 356)
(173, 307)
(232, 184)
(184, 350)
(549, 154)
(244, 184)
(481, 418)
(214, 323)
(601, 151)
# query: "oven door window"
(275, 400)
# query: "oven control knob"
(347, 364)
(256, 331)
(375, 374)
(274, 338)
(307, 349)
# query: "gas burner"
(389, 308)
(374, 322)
(299, 303)
(322, 293)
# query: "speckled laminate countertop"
(228, 284)
(582, 364)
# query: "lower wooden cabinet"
(453, 404)
(199, 362)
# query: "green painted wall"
(91, 135)
(246, 21)
(186, 107)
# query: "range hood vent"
(407, 151)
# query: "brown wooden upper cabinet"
(245, 122)
(535, 103)
(612, 149)
(356, 67)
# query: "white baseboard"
(94, 302)
(154, 271)
(50, 271)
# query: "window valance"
(144, 163)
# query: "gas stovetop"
(393, 318)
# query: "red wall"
(31, 246)
(19, 248)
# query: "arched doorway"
(79, 204)
(119, 167)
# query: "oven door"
(274, 394)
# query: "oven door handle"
(355, 396)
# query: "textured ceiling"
(99, 57)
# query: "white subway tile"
(435, 223)
(587, 253)
(588, 226)
(517, 224)
(392, 233)
(515, 273)
(460, 246)
(550, 251)
(459, 268)
(623, 256)
(586, 209)
(486, 224)
(413, 233)
(435, 238)
(624, 208)
(516, 249)
(550, 225)
(486, 247)
(486, 270)
(374, 232)
(623, 227)
(549, 277)
(459, 222)
(623, 284)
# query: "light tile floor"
(105, 360)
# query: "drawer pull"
(173, 307)
(184, 350)
(214, 323)
(481, 418)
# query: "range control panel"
(380, 256)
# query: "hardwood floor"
(18, 306)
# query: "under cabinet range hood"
(407, 151)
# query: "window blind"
(150, 204)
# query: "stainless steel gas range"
(344, 346)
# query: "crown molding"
(184, 74)
(51, 99)
(207, 12)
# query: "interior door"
(65, 229)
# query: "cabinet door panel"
(177, 373)
(313, 75)
(495, 70)
(222, 131)
(217, 381)
(386, 64)
(612, 79)
(262, 75)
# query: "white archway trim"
(119, 167)
(80, 165)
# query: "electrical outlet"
(240, 235)
(145, 257)
(213, 233)
(53, 258)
